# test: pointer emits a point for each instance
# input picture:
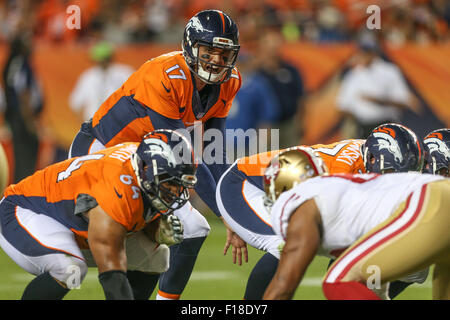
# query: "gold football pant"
(416, 236)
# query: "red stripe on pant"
(396, 232)
(351, 290)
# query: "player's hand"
(170, 230)
(239, 247)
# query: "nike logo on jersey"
(118, 194)
(168, 90)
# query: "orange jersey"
(256, 164)
(165, 86)
(253, 167)
(60, 190)
(340, 157)
(343, 156)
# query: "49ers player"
(389, 226)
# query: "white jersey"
(349, 205)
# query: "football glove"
(170, 230)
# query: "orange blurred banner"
(426, 67)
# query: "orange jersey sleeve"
(256, 164)
(161, 88)
(106, 176)
(343, 156)
(118, 193)
(165, 80)
(120, 197)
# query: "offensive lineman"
(112, 209)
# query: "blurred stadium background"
(320, 38)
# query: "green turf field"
(214, 278)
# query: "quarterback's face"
(211, 58)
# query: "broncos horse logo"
(386, 140)
(197, 25)
(162, 149)
(435, 144)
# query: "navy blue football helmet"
(214, 29)
(165, 167)
(392, 147)
(437, 152)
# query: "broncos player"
(371, 217)
(389, 148)
(437, 152)
(112, 209)
(177, 90)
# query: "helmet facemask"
(164, 191)
(209, 72)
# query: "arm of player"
(302, 243)
(217, 168)
(107, 243)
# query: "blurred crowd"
(125, 21)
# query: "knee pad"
(194, 223)
(67, 269)
(146, 255)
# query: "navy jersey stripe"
(17, 236)
(237, 207)
(62, 211)
(126, 110)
